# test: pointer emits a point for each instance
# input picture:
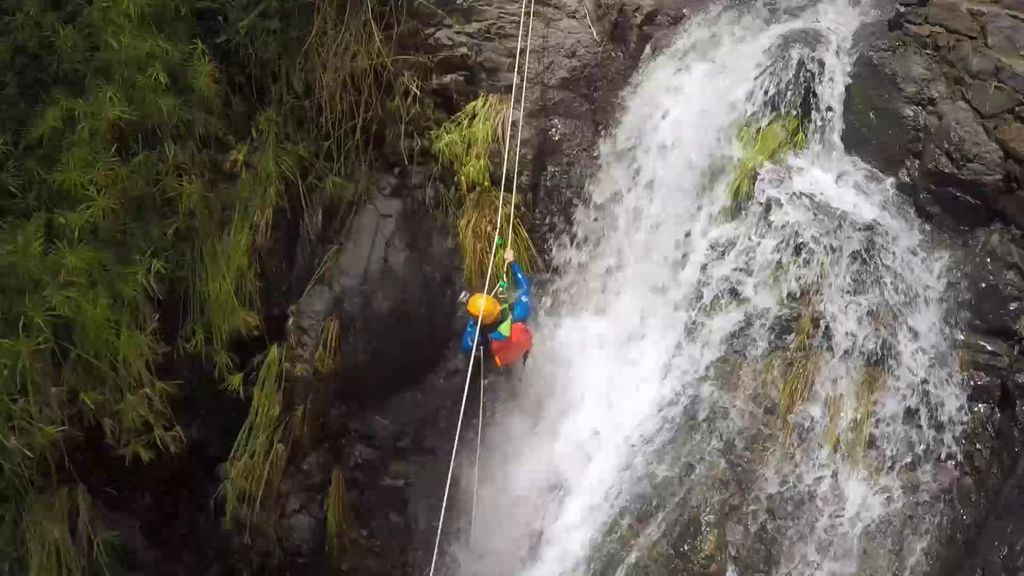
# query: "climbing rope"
(476, 461)
(490, 268)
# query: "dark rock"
(959, 154)
(982, 388)
(1012, 74)
(1015, 5)
(1004, 34)
(1011, 206)
(953, 17)
(1011, 137)
(991, 99)
(973, 59)
(881, 119)
(994, 292)
(962, 210)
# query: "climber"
(504, 334)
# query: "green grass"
(62, 537)
(329, 346)
(261, 450)
(477, 221)
(795, 369)
(338, 519)
(870, 384)
(465, 145)
(770, 142)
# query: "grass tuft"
(476, 235)
(330, 343)
(338, 518)
(60, 534)
(870, 385)
(795, 369)
(258, 458)
(464, 144)
(780, 137)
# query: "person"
(503, 334)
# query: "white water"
(647, 398)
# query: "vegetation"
(795, 368)
(146, 160)
(770, 142)
(338, 519)
(465, 145)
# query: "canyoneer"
(503, 334)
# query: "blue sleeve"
(467, 336)
(521, 305)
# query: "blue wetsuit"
(519, 308)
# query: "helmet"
(485, 306)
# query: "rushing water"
(659, 427)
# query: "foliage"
(771, 142)
(54, 547)
(477, 222)
(464, 144)
(338, 518)
(260, 454)
(361, 95)
(330, 342)
(795, 369)
(122, 230)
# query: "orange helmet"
(484, 307)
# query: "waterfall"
(768, 391)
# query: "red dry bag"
(512, 349)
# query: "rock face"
(394, 279)
(935, 102)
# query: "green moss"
(770, 142)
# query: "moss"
(770, 142)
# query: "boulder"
(973, 59)
(883, 121)
(990, 98)
(953, 17)
(958, 153)
(1004, 34)
(1010, 135)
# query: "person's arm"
(521, 305)
(468, 336)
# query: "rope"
(519, 134)
(476, 466)
(487, 282)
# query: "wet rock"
(1015, 5)
(953, 17)
(1011, 73)
(994, 288)
(959, 154)
(1004, 34)
(882, 122)
(1011, 137)
(991, 99)
(974, 60)
(982, 388)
